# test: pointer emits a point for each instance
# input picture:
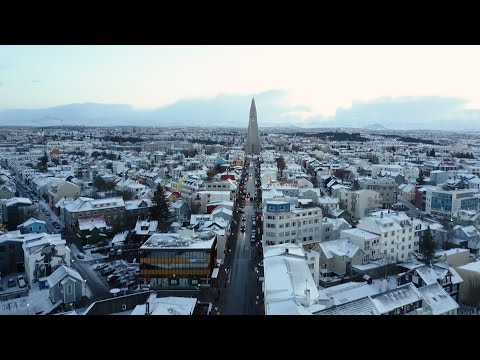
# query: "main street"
(241, 286)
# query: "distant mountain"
(403, 113)
(374, 127)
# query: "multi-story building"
(359, 203)
(396, 231)
(178, 259)
(425, 275)
(466, 217)
(386, 187)
(61, 190)
(283, 224)
(113, 210)
(43, 254)
(17, 210)
(368, 242)
(443, 202)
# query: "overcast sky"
(317, 81)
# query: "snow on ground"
(36, 301)
(87, 253)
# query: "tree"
(42, 164)
(160, 210)
(125, 194)
(214, 171)
(373, 158)
(95, 154)
(431, 152)
(427, 246)
(281, 165)
(102, 185)
(355, 185)
(421, 178)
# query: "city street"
(98, 287)
(240, 295)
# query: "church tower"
(252, 143)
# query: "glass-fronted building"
(170, 260)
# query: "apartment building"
(285, 224)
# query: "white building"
(44, 253)
(283, 224)
(289, 288)
(359, 203)
(396, 232)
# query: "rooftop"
(173, 240)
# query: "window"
(69, 290)
(316, 221)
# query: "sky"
(317, 83)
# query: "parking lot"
(119, 274)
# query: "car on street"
(11, 283)
(100, 267)
(21, 281)
(252, 238)
(243, 218)
(80, 256)
(242, 228)
(260, 263)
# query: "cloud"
(426, 112)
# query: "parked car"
(21, 281)
(11, 283)
(100, 267)
(80, 256)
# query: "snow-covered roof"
(18, 201)
(363, 306)
(451, 252)
(171, 305)
(143, 227)
(137, 203)
(392, 299)
(31, 221)
(438, 299)
(338, 248)
(60, 273)
(176, 241)
(280, 249)
(286, 279)
(473, 266)
(85, 204)
(120, 237)
(367, 235)
(92, 223)
(430, 274)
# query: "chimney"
(331, 302)
(147, 308)
(384, 285)
(307, 294)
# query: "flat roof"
(175, 241)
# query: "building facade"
(178, 260)
(281, 224)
